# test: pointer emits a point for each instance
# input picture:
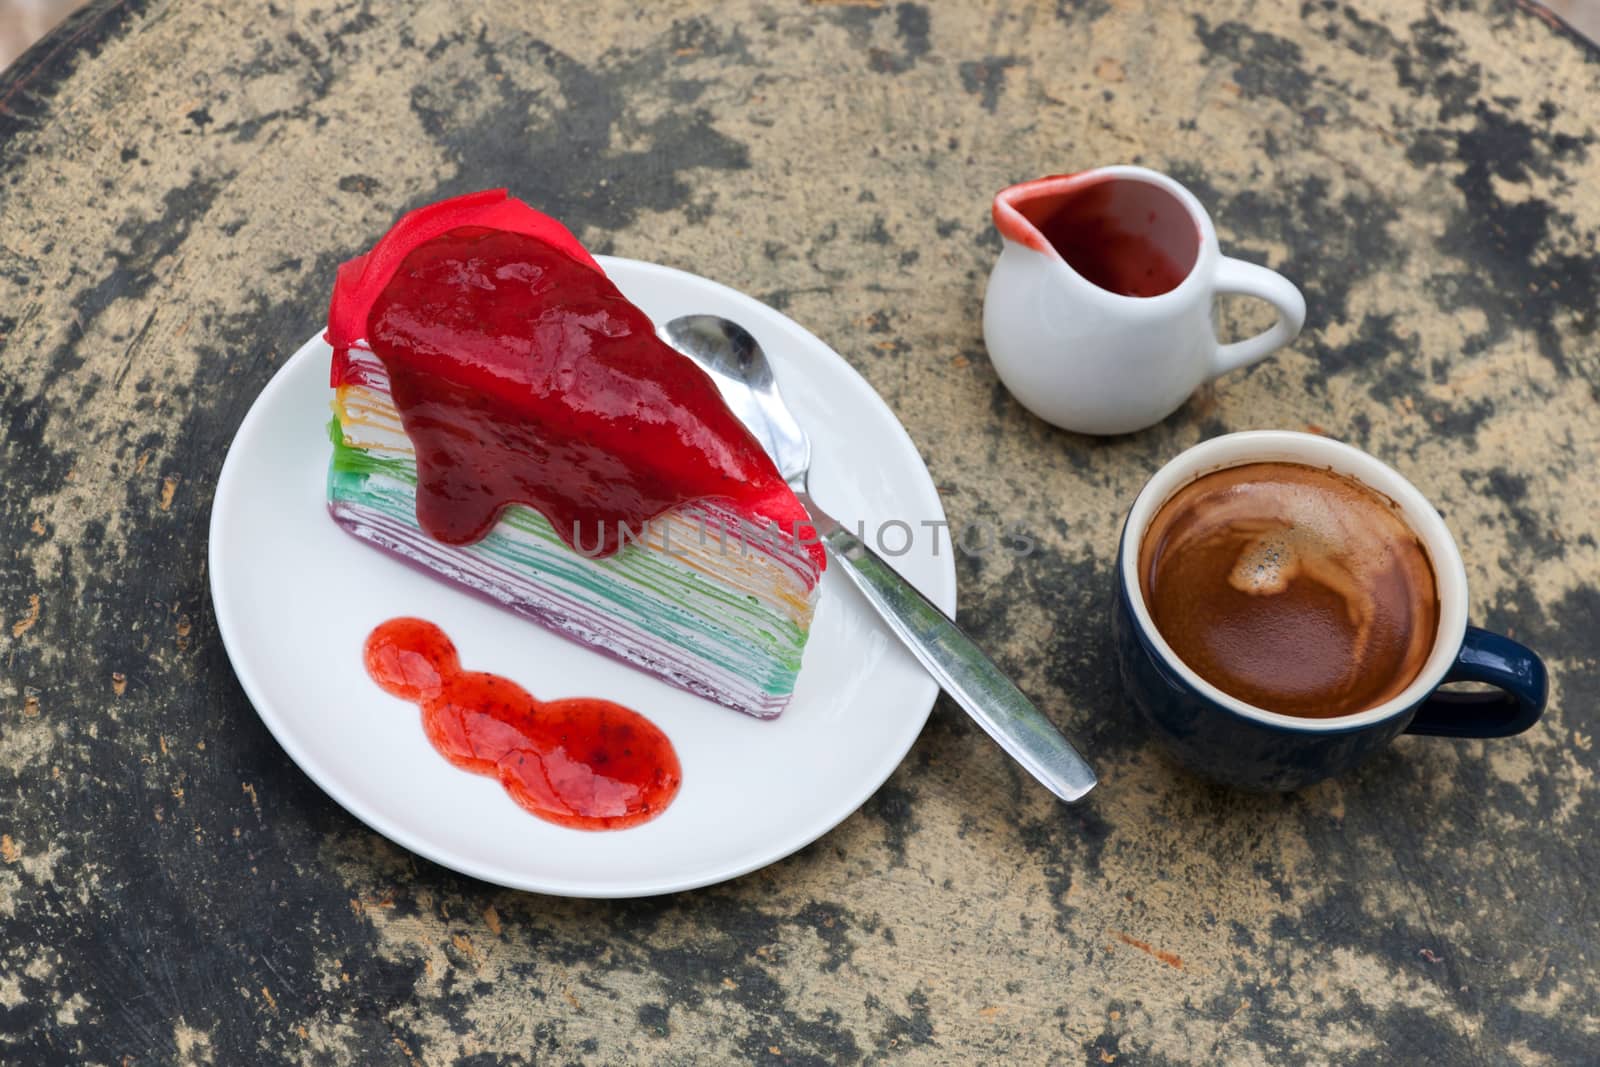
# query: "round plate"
(296, 597)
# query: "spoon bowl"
(738, 365)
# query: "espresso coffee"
(1292, 588)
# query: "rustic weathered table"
(178, 182)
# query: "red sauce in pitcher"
(1127, 237)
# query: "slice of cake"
(506, 420)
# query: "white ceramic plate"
(296, 597)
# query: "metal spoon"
(738, 366)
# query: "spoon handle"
(958, 665)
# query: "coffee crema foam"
(1292, 588)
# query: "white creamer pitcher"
(1098, 312)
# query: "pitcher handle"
(1247, 279)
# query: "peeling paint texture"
(178, 182)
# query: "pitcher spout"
(1022, 211)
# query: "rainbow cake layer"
(705, 598)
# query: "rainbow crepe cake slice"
(508, 422)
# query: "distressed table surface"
(178, 182)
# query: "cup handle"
(1247, 279)
(1512, 668)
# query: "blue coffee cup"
(1230, 741)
